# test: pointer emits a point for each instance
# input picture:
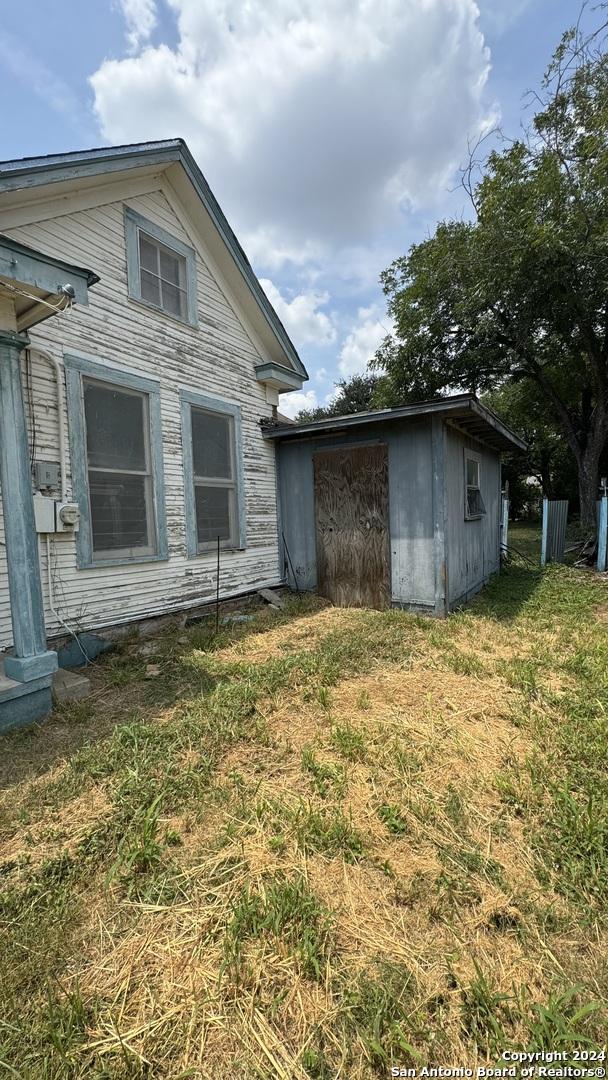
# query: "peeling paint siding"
(473, 547)
(217, 358)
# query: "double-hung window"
(119, 470)
(474, 504)
(117, 463)
(213, 473)
(161, 270)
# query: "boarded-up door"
(352, 526)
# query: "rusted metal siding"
(217, 358)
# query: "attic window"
(474, 504)
(162, 276)
(161, 270)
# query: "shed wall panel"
(410, 505)
(217, 359)
(473, 547)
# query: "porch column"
(32, 659)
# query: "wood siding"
(410, 506)
(352, 526)
(473, 547)
(217, 359)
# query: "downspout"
(60, 416)
(64, 490)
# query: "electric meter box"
(53, 516)
(44, 514)
(67, 517)
(46, 475)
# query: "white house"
(142, 405)
(136, 429)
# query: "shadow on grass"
(508, 593)
(123, 693)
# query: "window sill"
(213, 551)
(474, 517)
(123, 560)
(161, 311)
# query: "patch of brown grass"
(444, 885)
(301, 633)
(59, 831)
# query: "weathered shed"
(394, 507)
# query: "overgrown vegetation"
(323, 842)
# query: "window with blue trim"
(161, 270)
(212, 473)
(116, 464)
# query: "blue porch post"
(32, 659)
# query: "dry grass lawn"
(318, 845)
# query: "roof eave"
(31, 172)
(450, 408)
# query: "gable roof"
(26, 173)
(471, 417)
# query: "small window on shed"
(474, 504)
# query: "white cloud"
(140, 17)
(362, 342)
(268, 250)
(301, 317)
(316, 121)
(291, 404)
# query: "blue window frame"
(213, 473)
(117, 464)
(161, 270)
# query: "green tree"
(355, 394)
(521, 291)
(548, 458)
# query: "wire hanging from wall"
(217, 590)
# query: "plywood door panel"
(352, 526)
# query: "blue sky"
(330, 130)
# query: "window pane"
(173, 299)
(148, 254)
(150, 288)
(211, 437)
(475, 504)
(170, 266)
(119, 517)
(213, 513)
(115, 423)
(472, 472)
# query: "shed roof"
(32, 172)
(464, 410)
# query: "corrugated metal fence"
(555, 519)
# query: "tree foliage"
(355, 394)
(520, 293)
